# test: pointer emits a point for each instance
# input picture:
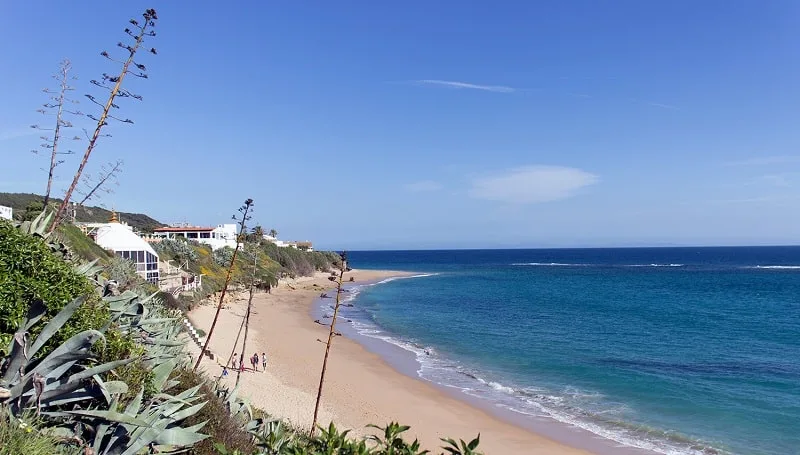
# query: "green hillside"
(21, 201)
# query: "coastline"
(361, 387)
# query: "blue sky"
(420, 124)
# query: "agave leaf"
(161, 373)
(88, 269)
(65, 397)
(112, 416)
(133, 407)
(19, 355)
(179, 437)
(55, 324)
(115, 387)
(188, 412)
(197, 427)
(36, 311)
(100, 369)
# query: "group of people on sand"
(254, 359)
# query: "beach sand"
(360, 388)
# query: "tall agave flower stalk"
(113, 85)
(245, 211)
(339, 280)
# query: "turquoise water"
(677, 350)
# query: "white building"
(121, 239)
(221, 236)
(6, 212)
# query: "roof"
(184, 229)
(119, 237)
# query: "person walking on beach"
(254, 361)
(264, 361)
(224, 372)
(235, 356)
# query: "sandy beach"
(360, 388)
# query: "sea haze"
(675, 350)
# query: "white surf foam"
(550, 264)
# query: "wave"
(775, 267)
(573, 406)
(563, 264)
(551, 264)
(655, 265)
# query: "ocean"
(672, 350)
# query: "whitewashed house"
(221, 236)
(6, 212)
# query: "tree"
(114, 91)
(339, 280)
(245, 211)
(273, 233)
(257, 234)
(58, 102)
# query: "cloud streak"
(423, 186)
(532, 184)
(664, 106)
(466, 85)
(765, 161)
(18, 133)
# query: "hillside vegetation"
(28, 205)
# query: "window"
(205, 235)
(140, 256)
(191, 235)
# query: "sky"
(444, 124)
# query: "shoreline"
(363, 386)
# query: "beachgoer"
(235, 356)
(224, 372)
(264, 360)
(254, 361)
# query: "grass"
(83, 246)
(23, 437)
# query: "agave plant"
(38, 227)
(154, 425)
(64, 376)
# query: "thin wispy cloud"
(765, 161)
(465, 85)
(423, 186)
(6, 135)
(532, 184)
(663, 106)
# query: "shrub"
(223, 256)
(123, 271)
(180, 250)
(221, 427)
(29, 271)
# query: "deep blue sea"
(676, 350)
